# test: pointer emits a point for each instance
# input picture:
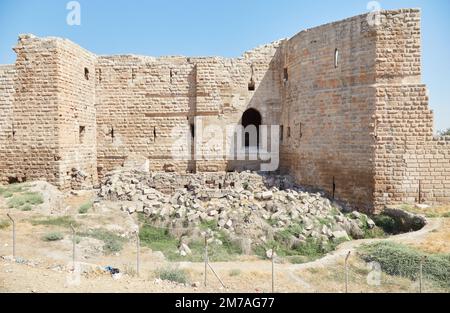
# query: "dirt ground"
(42, 266)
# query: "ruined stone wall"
(348, 96)
(77, 128)
(147, 106)
(411, 166)
(51, 100)
(139, 101)
(31, 153)
(7, 76)
(223, 87)
(328, 109)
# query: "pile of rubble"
(248, 207)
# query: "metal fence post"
(73, 246)
(422, 260)
(138, 252)
(273, 272)
(14, 235)
(206, 258)
(346, 271)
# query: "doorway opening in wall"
(251, 117)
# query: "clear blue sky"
(212, 27)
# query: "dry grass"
(332, 279)
(432, 212)
(437, 241)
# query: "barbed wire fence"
(352, 273)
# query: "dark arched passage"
(251, 117)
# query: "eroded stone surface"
(290, 215)
(358, 127)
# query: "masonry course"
(353, 111)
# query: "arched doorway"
(251, 117)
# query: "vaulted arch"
(251, 117)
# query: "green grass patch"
(25, 200)
(234, 272)
(160, 239)
(212, 225)
(112, 242)
(61, 221)
(376, 232)
(227, 251)
(311, 249)
(4, 224)
(7, 194)
(172, 274)
(26, 208)
(401, 260)
(387, 223)
(325, 221)
(381, 225)
(20, 198)
(292, 230)
(54, 236)
(5, 191)
(298, 259)
(84, 208)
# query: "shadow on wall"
(263, 109)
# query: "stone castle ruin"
(353, 112)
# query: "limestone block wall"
(51, 107)
(7, 76)
(398, 47)
(77, 127)
(348, 96)
(149, 105)
(328, 108)
(411, 166)
(139, 100)
(32, 151)
(223, 95)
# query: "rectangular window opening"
(81, 133)
(192, 127)
(251, 85)
(285, 74)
